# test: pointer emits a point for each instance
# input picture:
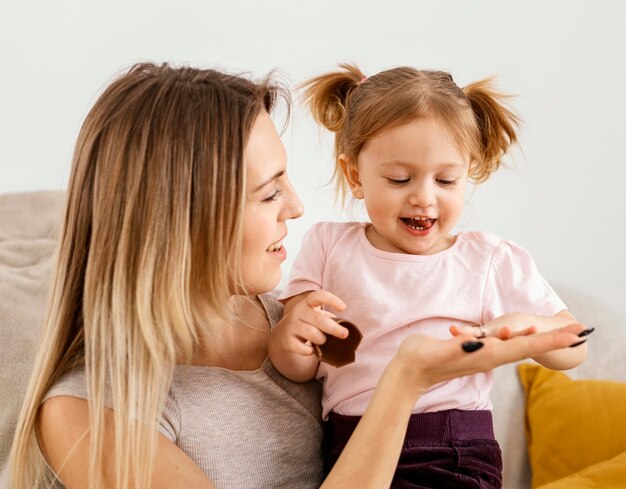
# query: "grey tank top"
(244, 429)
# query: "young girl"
(406, 143)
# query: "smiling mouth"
(418, 223)
(275, 247)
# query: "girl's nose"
(422, 196)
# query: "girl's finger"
(466, 330)
(325, 324)
(525, 332)
(313, 335)
(323, 298)
(504, 333)
(300, 346)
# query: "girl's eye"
(274, 196)
(446, 183)
(395, 181)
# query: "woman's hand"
(426, 361)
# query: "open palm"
(431, 360)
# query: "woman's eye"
(396, 181)
(274, 196)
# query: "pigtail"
(497, 126)
(327, 95)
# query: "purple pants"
(446, 449)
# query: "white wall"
(564, 199)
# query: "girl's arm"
(561, 359)
(371, 455)
(63, 435)
(517, 324)
(304, 324)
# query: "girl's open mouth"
(418, 223)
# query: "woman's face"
(270, 201)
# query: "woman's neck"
(240, 344)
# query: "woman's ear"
(351, 174)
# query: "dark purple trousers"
(442, 450)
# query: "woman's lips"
(278, 250)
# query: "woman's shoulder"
(273, 307)
(72, 383)
(62, 422)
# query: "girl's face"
(270, 201)
(412, 178)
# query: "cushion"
(29, 227)
(610, 474)
(570, 425)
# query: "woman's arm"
(370, 457)
(63, 435)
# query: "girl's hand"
(306, 324)
(504, 327)
(426, 361)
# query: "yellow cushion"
(570, 425)
(610, 474)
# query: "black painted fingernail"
(586, 332)
(470, 346)
(579, 343)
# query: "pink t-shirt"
(392, 295)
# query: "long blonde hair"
(357, 108)
(151, 237)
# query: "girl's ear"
(351, 174)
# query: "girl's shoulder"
(336, 228)
(488, 239)
(484, 238)
(488, 243)
(326, 235)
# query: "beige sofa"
(29, 226)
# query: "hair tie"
(364, 79)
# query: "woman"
(152, 371)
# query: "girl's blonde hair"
(357, 108)
(151, 241)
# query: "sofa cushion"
(29, 228)
(570, 425)
(610, 474)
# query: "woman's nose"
(293, 206)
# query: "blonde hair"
(357, 108)
(151, 239)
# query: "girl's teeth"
(424, 222)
